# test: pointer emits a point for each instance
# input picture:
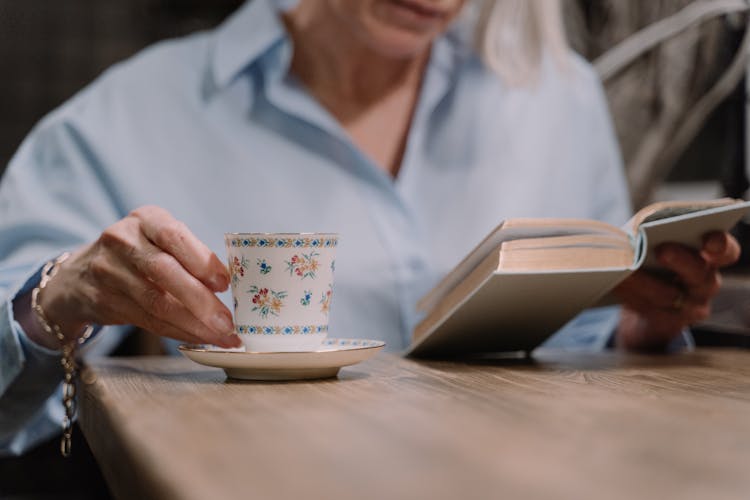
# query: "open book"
(528, 277)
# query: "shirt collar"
(256, 27)
(245, 36)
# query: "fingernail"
(222, 323)
(219, 283)
(233, 340)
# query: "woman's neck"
(339, 69)
(373, 96)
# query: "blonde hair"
(515, 37)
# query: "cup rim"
(288, 235)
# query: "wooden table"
(565, 426)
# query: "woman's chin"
(399, 44)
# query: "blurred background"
(674, 71)
(50, 49)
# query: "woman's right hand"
(146, 270)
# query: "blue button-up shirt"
(213, 128)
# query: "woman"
(375, 119)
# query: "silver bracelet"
(68, 351)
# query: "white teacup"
(282, 285)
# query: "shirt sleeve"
(42, 214)
(591, 330)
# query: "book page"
(575, 241)
(566, 253)
(512, 229)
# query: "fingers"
(666, 303)
(125, 278)
(166, 272)
(720, 249)
(126, 259)
(642, 290)
(175, 239)
(121, 309)
(657, 309)
(652, 331)
(131, 299)
(154, 324)
(700, 279)
(644, 326)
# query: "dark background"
(49, 49)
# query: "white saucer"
(322, 363)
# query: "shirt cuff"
(683, 342)
(29, 375)
(13, 340)
(589, 331)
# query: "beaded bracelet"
(68, 352)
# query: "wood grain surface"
(575, 426)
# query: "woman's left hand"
(655, 311)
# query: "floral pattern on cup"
(292, 242)
(303, 265)
(286, 307)
(281, 329)
(264, 267)
(238, 268)
(325, 300)
(267, 301)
